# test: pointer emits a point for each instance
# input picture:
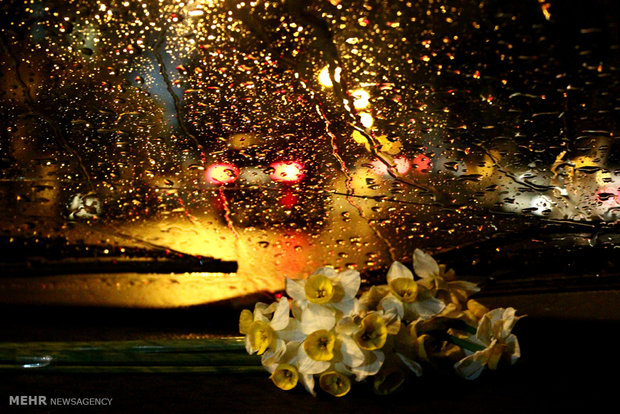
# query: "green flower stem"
(229, 344)
(107, 369)
(465, 344)
(130, 358)
(213, 355)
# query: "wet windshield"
(145, 137)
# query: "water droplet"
(589, 169)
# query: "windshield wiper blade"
(57, 256)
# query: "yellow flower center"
(446, 275)
(285, 377)
(261, 336)
(335, 383)
(405, 289)
(319, 289)
(319, 345)
(245, 320)
(427, 347)
(477, 308)
(373, 332)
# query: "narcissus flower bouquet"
(326, 332)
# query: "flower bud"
(335, 383)
(285, 377)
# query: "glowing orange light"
(287, 171)
(422, 163)
(222, 173)
(289, 200)
(296, 251)
(402, 165)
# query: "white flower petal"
(498, 323)
(350, 281)
(377, 364)
(391, 305)
(343, 369)
(281, 315)
(346, 326)
(248, 345)
(297, 308)
(495, 315)
(346, 306)
(472, 366)
(295, 289)
(272, 354)
(424, 264)
(513, 348)
(462, 285)
(292, 332)
(261, 311)
(330, 272)
(270, 309)
(372, 366)
(316, 317)
(352, 355)
(426, 308)
(308, 382)
(411, 364)
(484, 332)
(510, 319)
(428, 283)
(392, 322)
(398, 271)
(291, 354)
(307, 365)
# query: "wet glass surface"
(286, 135)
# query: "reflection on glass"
(288, 135)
